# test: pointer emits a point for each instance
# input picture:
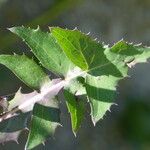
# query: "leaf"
(108, 64)
(45, 120)
(46, 115)
(83, 51)
(89, 56)
(6, 137)
(25, 69)
(125, 55)
(21, 98)
(101, 90)
(74, 93)
(45, 48)
(11, 128)
(101, 93)
(15, 122)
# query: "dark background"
(127, 127)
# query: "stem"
(49, 92)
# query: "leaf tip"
(94, 122)
(75, 133)
(12, 29)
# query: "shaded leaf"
(74, 94)
(101, 93)
(11, 128)
(6, 137)
(45, 120)
(25, 69)
(15, 122)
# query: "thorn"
(94, 123)
(106, 46)
(27, 129)
(75, 29)
(88, 33)
(75, 134)
(16, 141)
(38, 28)
(138, 44)
(122, 39)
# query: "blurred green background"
(127, 127)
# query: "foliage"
(87, 73)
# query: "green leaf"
(89, 56)
(125, 55)
(25, 69)
(77, 46)
(45, 120)
(101, 93)
(74, 94)
(45, 48)
(101, 90)
(84, 52)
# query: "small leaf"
(101, 93)
(6, 137)
(15, 122)
(75, 103)
(20, 98)
(45, 120)
(45, 48)
(11, 128)
(125, 55)
(25, 69)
